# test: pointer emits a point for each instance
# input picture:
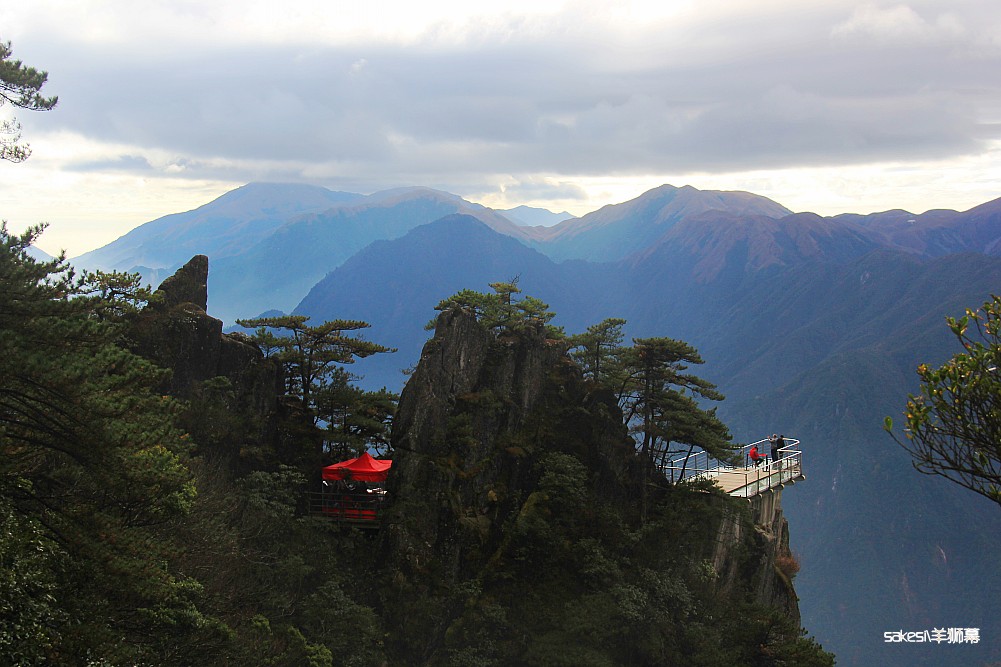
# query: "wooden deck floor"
(734, 479)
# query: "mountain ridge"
(617, 230)
(218, 228)
(532, 216)
(278, 271)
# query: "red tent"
(364, 469)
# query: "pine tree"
(341, 419)
(598, 349)
(19, 87)
(312, 355)
(355, 420)
(92, 473)
(659, 401)
(501, 310)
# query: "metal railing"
(363, 508)
(746, 479)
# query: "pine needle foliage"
(20, 87)
(92, 474)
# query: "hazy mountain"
(938, 232)
(488, 216)
(395, 285)
(270, 243)
(224, 227)
(530, 216)
(618, 230)
(279, 270)
(39, 255)
(715, 268)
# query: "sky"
(829, 106)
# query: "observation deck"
(747, 480)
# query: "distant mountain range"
(530, 216)
(618, 230)
(270, 243)
(811, 326)
(224, 227)
(39, 255)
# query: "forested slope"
(157, 514)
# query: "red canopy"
(364, 469)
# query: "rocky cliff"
(474, 421)
(752, 550)
(517, 531)
(225, 377)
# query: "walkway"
(746, 480)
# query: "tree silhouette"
(953, 426)
(19, 87)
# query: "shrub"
(787, 564)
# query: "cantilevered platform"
(747, 480)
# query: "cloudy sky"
(822, 105)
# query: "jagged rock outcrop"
(519, 502)
(224, 373)
(464, 440)
(752, 549)
(189, 284)
(477, 417)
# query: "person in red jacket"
(756, 456)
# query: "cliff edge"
(517, 536)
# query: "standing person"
(774, 442)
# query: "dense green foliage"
(502, 309)
(118, 547)
(659, 401)
(19, 87)
(91, 478)
(577, 583)
(953, 427)
(127, 543)
(348, 419)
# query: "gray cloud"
(129, 163)
(827, 85)
(529, 189)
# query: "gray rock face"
(473, 423)
(752, 550)
(176, 333)
(457, 473)
(188, 284)
(518, 498)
